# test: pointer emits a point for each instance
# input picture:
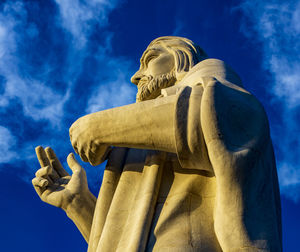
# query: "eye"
(149, 58)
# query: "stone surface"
(190, 165)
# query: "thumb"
(73, 163)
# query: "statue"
(190, 165)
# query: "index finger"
(42, 157)
(55, 162)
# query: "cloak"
(218, 192)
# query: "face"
(156, 72)
(154, 62)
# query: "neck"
(180, 76)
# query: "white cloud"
(7, 144)
(112, 94)
(287, 79)
(289, 181)
(78, 16)
(116, 90)
(275, 25)
(289, 175)
(7, 25)
(179, 27)
(39, 100)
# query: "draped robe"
(218, 192)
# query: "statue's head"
(165, 62)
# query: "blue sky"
(61, 59)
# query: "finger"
(82, 155)
(73, 143)
(91, 157)
(99, 158)
(106, 154)
(40, 182)
(39, 185)
(42, 157)
(75, 147)
(44, 172)
(58, 169)
(94, 159)
(36, 187)
(70, 134)
(84, 158)
(73, 164)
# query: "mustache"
(144, 81)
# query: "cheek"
(162, 65)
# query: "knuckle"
(38, 171)
(44, 182)
(49, 169)
(34, 181)
(40, 182)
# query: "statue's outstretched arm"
(145, 125)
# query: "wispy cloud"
(79, 17)
(115, 93)
(7, 145)
(179, 27)
(39, 100)
(289, 180)
(52, 70)
(275, 25)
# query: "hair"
(186, 53)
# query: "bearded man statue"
(190, 166)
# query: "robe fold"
(218, 192)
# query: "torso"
(183, 219)
(183, 213)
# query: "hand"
(84, 136)
(53, 183)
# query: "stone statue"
(190, 165)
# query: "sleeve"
(222, 128)
(236, 133)
(189, 140)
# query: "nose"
(136, 77)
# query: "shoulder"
(209, 68)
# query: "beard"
(149, 87)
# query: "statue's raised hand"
(53, 183)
